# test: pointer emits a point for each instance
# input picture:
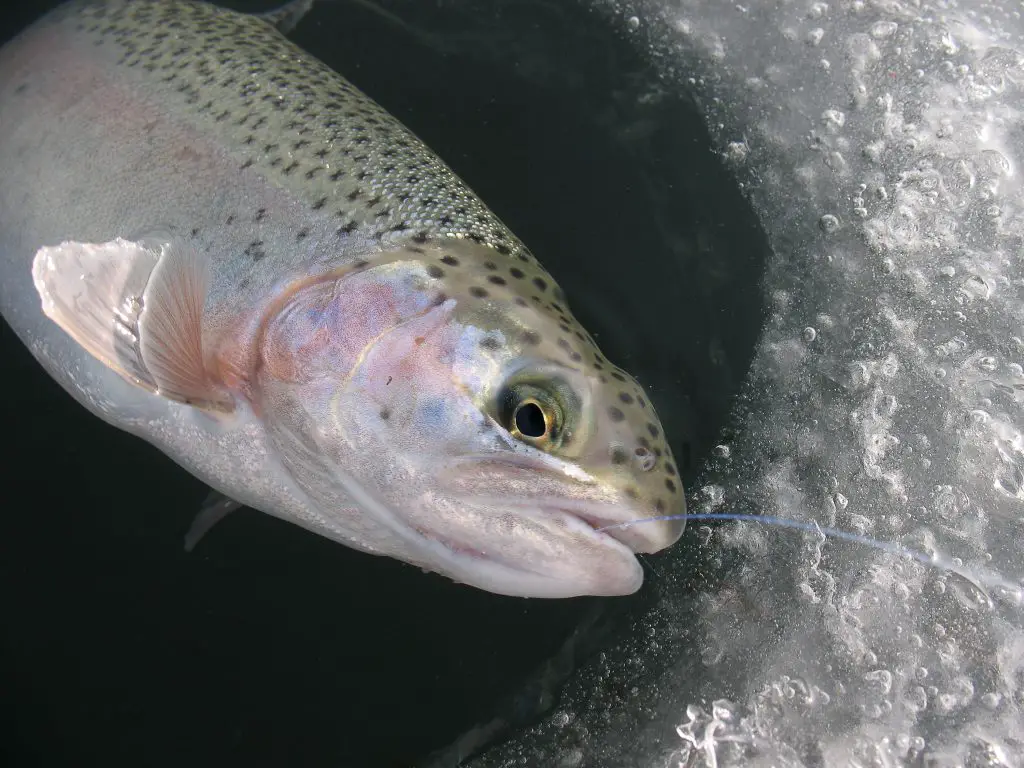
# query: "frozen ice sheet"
(880, 143)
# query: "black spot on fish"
(531, 337)
(337, 175)
(385, 413)
(435, 271)
(319, 203)
(496, 279)
(490, 342)
(255, 250)
(247, 164)
(290, 167)
(618, 376)
(301, 235)
(450, 260)
(230, 220)
(670, 485)
(195, 231)
(353, 195)
(521, 301)
(659, 507)
(478, 292)
(653, 430)
(21, 88)
(421, 237)
(626, 398)
(517, 273)
(348, 229)
(619, 455)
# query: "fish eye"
(532, 414)
(531, 420)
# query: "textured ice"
(880, 143)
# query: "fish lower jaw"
(619, 575)
(451, 545)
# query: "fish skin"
(125, 118)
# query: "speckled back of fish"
(252, 233)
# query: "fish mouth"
(588, 562)
(594, 525)
(545, 486)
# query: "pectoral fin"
(137, 307)
(287, 17)
(215, 508)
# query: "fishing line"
(976, 576)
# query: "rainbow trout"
(216, 243)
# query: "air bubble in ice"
(883, 29)
(828, 223)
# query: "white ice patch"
(902, 223)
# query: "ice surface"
(880, 143)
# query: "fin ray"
(93, 292)
(171, 325)
(135, 307)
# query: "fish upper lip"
(604, 526)
(608, 527)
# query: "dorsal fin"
(288, 16)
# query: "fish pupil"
(530, 420)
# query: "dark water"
(272, 646)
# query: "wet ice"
(880, 145)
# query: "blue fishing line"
(784, 523)
(976, 576)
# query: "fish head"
(480, 425)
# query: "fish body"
(216, 243)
